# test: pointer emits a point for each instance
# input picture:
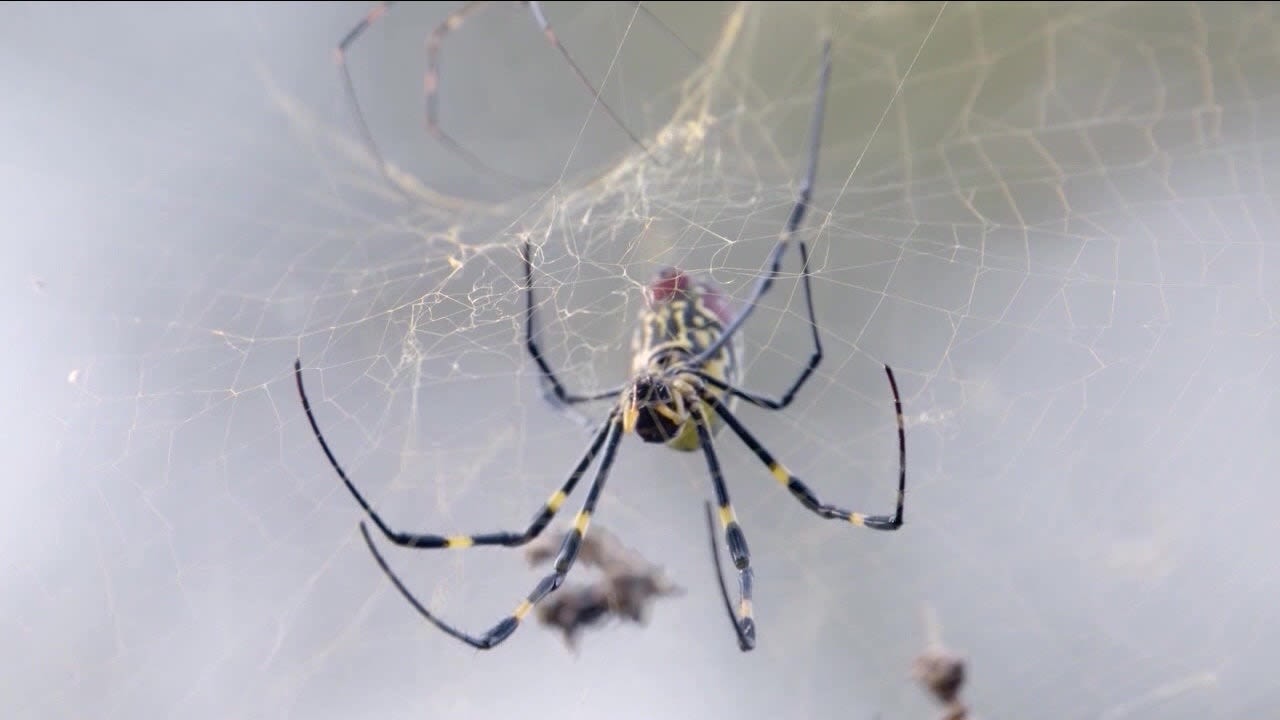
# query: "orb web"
(1054, 221)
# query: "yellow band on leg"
(522, 609)
(726, 515)
(780, 473)
(556, 500)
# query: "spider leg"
(349, 88)
(715, 563)
(538, 17)
(553, 389)
(431, 86)
(774, 261)
(743, 622)
(430, 542)
(815, 358)
(548, 584)
(801, 492)
(430, 91)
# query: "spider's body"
(684, 378)
(684, 315)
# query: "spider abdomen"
(683, 315)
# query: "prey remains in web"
(628, 586)
(685, 377)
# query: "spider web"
(1056, 222)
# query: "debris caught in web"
(626, 590)
(941, 673)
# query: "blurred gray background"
(1057, 222)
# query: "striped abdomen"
(688, 313)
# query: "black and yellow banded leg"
(724, 589)
(802, 492)
(743, 622)
(430, 542)
(495, 635)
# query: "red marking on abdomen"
(671, 283)
(665, 285)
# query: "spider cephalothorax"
(684, 379)
(659, 407)
(653, 410)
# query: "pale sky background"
(1058, 224)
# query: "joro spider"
(431, 82)
(684, 378)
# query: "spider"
(431, 83)
(684, 380)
